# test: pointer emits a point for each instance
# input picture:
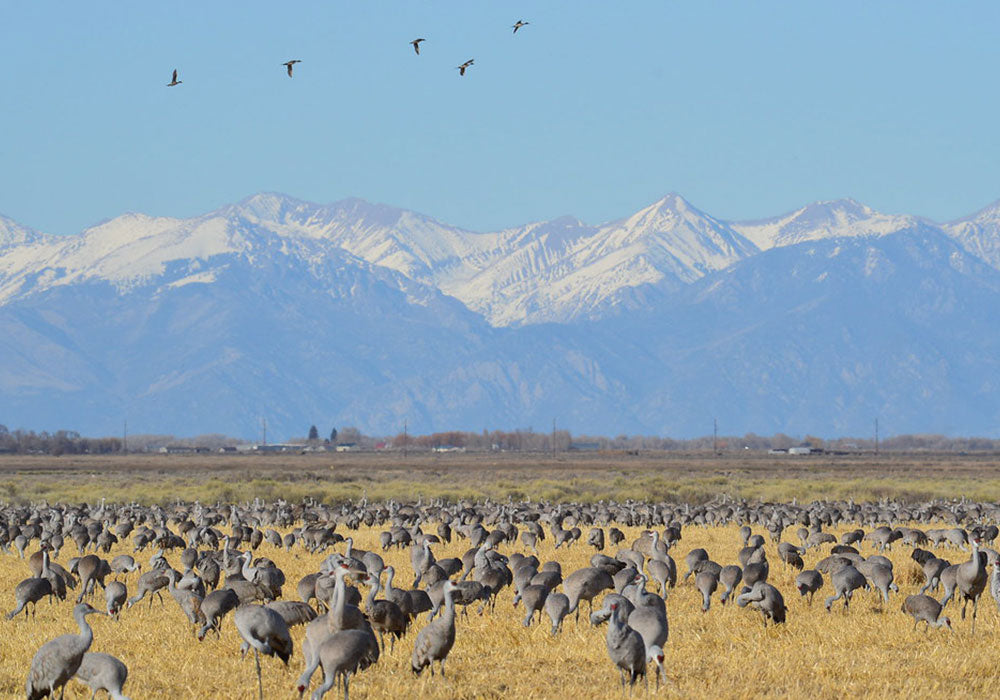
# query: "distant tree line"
(57, 443)
(519, 440)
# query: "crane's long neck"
(376, 586)
(449, 606)
(389, 574)
(86, 634)
(248, 571)
(339, 598)
(45, 564)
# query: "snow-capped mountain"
(359, 313)
(842, 218)
(979, 233)
(13, 234)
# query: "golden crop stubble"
(726, 652)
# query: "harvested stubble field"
(586, 477)
(725, 653)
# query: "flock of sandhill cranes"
(217, 573)
(416, 49)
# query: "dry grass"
(725, 653)
(672, 477)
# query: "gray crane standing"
(971, 580)
(264, 631)
(342, 654)
(625, 647)
(32, 590)
(435, 641)
(58, 660)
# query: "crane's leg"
(975, 609)
(328, 681)
(347, 681)
(260, 683)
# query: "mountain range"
(362, 314)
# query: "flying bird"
(461, 68)
(520, 23)
(416, 45)
(174, 80)
(289, 64)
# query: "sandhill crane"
(124, 564)
(924, 608)
(114, 596)
(32, 590)
(970, 580)
(342, 654)
(103, 672)
(214, 607)
(692, 559)
(416, 45)
(436, 639)
(288, 66)
(420, 559)
(767, 599)
(151, 582)
(58, 660)
(174, 80)
(396, 595)
(91, 569)
(625, 647)
(461, 68)
(880, 577)
(384, 615)
(730, 577)
(534, 595)
(557, 607)
(517, 25)
(706, 582)
(933, 568)
(188, 601)
(648, 621)
(808, 582)
(264, 631)
(745, 533)
(585, 584)
(845, 581)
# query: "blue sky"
(595, 109)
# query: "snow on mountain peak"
(547, 271)
(13, 234)
(272, 207)
(837, 218)
(979, 233)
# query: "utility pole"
(406, 439)
(553, 437)
(715, 436)
(125, 436)
(263, 429)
